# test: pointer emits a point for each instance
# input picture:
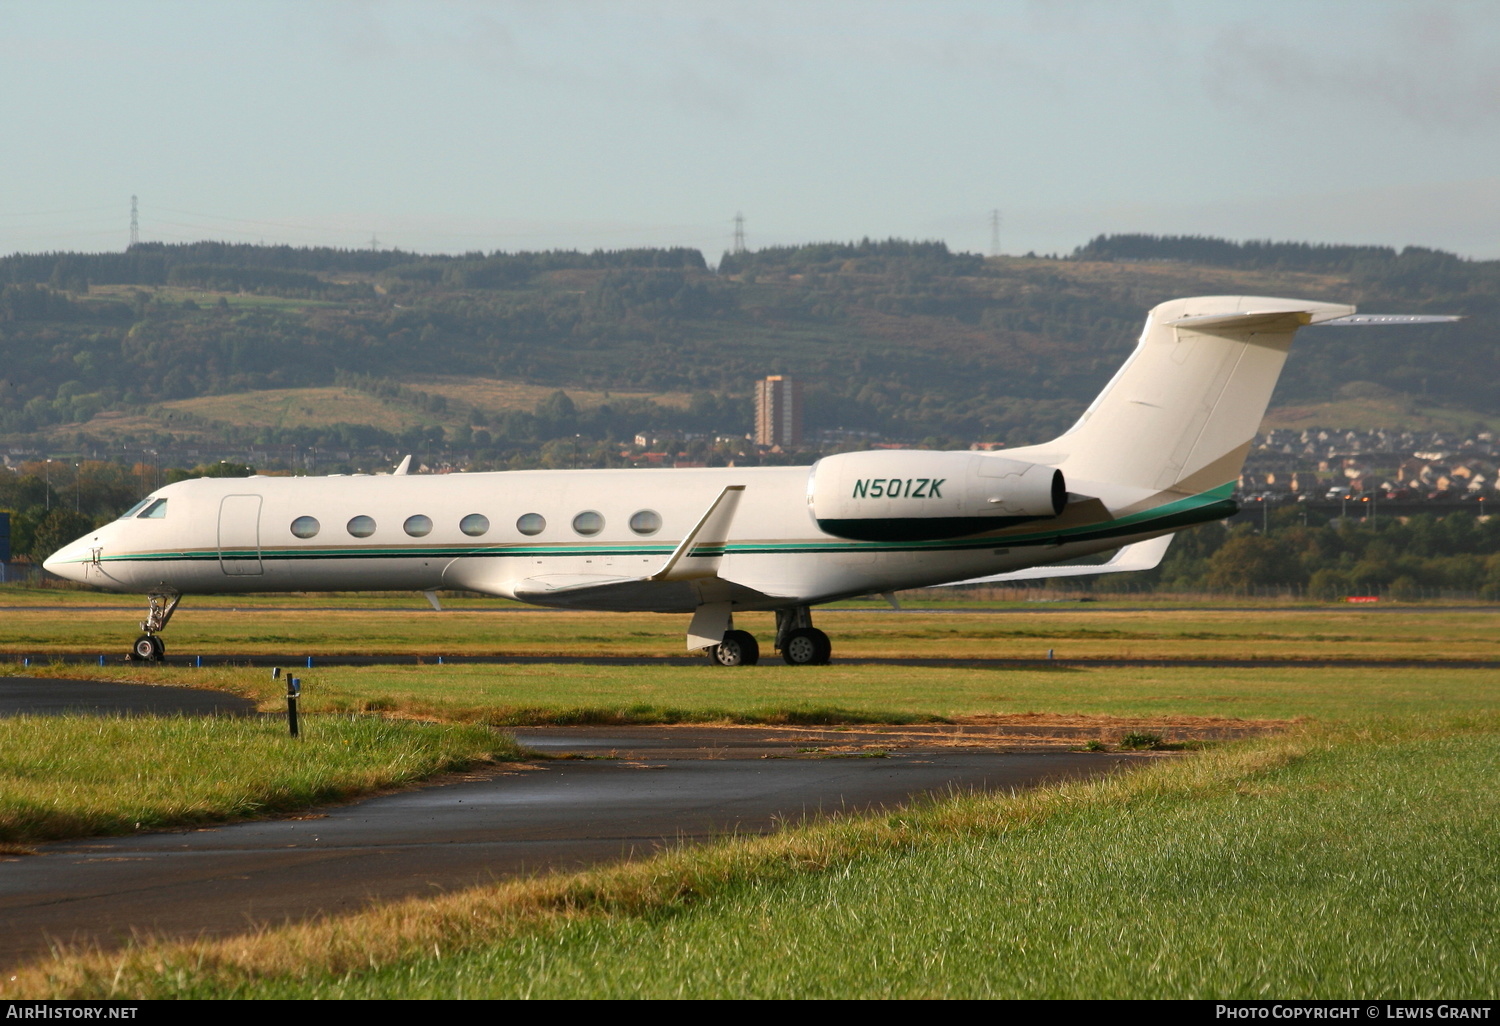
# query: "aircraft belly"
(190, 575)
(372, 573)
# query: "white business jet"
(1160, 449)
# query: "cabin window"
(588, 522)
(647, 521)
(306, 527)
(418, 526)
(531, 523)
(155, 511)
(474, 524)
(133, 510)
(362, 526)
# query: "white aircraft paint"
(1160, 449)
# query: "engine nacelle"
(911, 495)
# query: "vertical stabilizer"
(1182, 412)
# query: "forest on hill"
(906, 340)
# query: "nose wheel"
(148, 648)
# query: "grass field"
(501, 394)
(523, 695)
(74, 776)
(1392, 413)
(324, 406)
(1349, 855)
(1354, 862)
(1119, 629)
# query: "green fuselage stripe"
(1211, 505)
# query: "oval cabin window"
(418, 526)
(474, 524)
(305, 527)
(531, 523)
(362, 526)
(647, 521)
(588, 522)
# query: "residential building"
(778, 412)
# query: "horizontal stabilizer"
(1246, 320)
(1369, 320)
(1146, 555)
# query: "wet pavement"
(626, 792)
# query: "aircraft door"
(239, 535)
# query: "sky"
(462, 125)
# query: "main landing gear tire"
(739, 648)
(806, 646)
(148, 648)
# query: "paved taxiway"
(645, 788)
(44, 696)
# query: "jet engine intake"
(912, 495)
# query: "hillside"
(315, 347)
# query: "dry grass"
(498, 394)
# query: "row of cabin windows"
(588, 523)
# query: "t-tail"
(1180, 415)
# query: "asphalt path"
(643, 789)
(47, 696)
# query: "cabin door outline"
(239, 530)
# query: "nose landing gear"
(148, 648)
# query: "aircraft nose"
(67, 561)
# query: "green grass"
(1354, 863)
(1164, 894)
(511, 695)
(319, 626)
(73, 776)
(1351, 856)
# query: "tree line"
(906, 339)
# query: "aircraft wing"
(687, 579)
(1144, 555)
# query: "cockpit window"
(133, 510)
(155, 511)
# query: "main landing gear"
(739, 648)
(148, 648)
(800, 643)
